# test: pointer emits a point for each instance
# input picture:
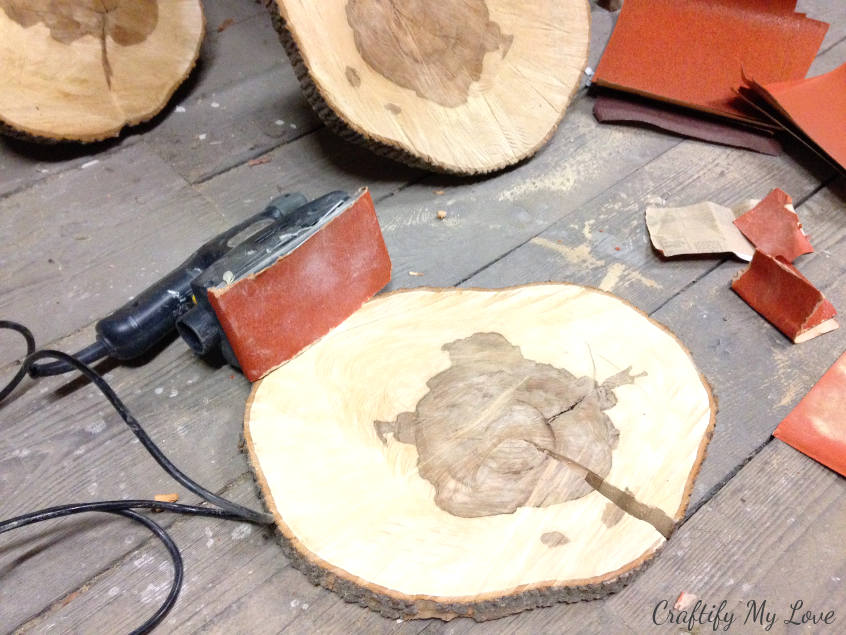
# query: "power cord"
(127, 508)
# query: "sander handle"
(143, 322)
(150, 317)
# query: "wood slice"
(452, 452)
(464, 86)
(81, 70)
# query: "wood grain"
(433, 555)
(81, 71)
(397, 76)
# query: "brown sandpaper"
(614, 109)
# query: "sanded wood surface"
(81, 70)
(553, 418)
(81, 240)
(465, 87)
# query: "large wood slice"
(463, 86)
(81, 70)
(468, 452)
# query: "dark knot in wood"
(127, 22)
(482, 428)
(436, 49)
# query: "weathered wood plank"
(501, 213)
(71, 447)
(225, 608)
(244, 101)
(22, 164)
(246, 557)
(832, 12)
(223, 128)
(605, 243)
(87, 240)
(831, 58)
(313, 164)
(774, 534)
(758, 374)
(245, 49)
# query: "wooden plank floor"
(85, 228)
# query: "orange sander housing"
(291, 283)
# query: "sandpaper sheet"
(692, 52)
(786, 298)
(817, 106)
(773, 227)
(704, 228)
(614, 109)
(270, 316)
(817, 426)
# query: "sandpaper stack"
(679, 65)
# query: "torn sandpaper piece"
(774, 228)
(613, 109)
(692, 52)
(785, 297)
(815, 106)
(817, 426)
(704, 228)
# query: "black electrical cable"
(224, 508)
(88, 355)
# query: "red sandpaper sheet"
(692, 52)
(787, 299)
(817, 426)
(774, 229)
(672, 119)
(817, 106)
(271, 316)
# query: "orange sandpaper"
(270, 316)
(816, 106)
(788, 300)
(774, 229)
(692, 52)
(817, 426)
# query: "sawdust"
(580, 255)
(793, 382)
(619, 271)
(561, 180)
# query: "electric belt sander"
(259, 292)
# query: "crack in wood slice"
(621, 498)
